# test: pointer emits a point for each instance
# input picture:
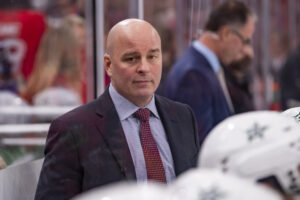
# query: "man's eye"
(131, 59)
(152, 57)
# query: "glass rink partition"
(35, 89)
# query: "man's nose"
(248, 50)
(144, 66)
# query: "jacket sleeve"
(60, 176)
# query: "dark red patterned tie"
(154, 165)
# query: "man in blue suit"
(197, 78)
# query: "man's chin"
(144, 94)
(141, 98)
(241, 65)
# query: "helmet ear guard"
(260, 145)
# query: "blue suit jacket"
(87, 148)
(193, 81)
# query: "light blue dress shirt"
(131, 127)
(208, 54)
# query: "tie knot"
(142, 114)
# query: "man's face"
(135, 64)
(241, 65)
(238, 48)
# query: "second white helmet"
(199, 184)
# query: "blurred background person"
(22, 25)
(197, 78)
(21, 29)
(290, 81)
(58, 63)
(279, 49)
(56, 10)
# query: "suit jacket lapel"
(174, 133)
(111, 129)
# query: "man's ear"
(224, 32)
(107, 64)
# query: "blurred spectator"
(55, 10)
(165, 21)
(80, 7)
(279, 47)
(60, 8)
(58, 62)
(7, 77)
(290, 81)
(20, 32)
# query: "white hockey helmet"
(293, 112)
(127, 191)
(262, 145)
(208, 184)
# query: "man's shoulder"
(80, 112)
(167, 103)
(191, 60)
(89, 110)
(193, 55)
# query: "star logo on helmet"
(213, 193)
(256, 131)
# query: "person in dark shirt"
(237, 76)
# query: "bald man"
(110, 139)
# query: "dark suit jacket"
(192, 81)
(87, 147)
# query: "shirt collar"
(125, 108)
(208, 54)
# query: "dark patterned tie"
(154, 165)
